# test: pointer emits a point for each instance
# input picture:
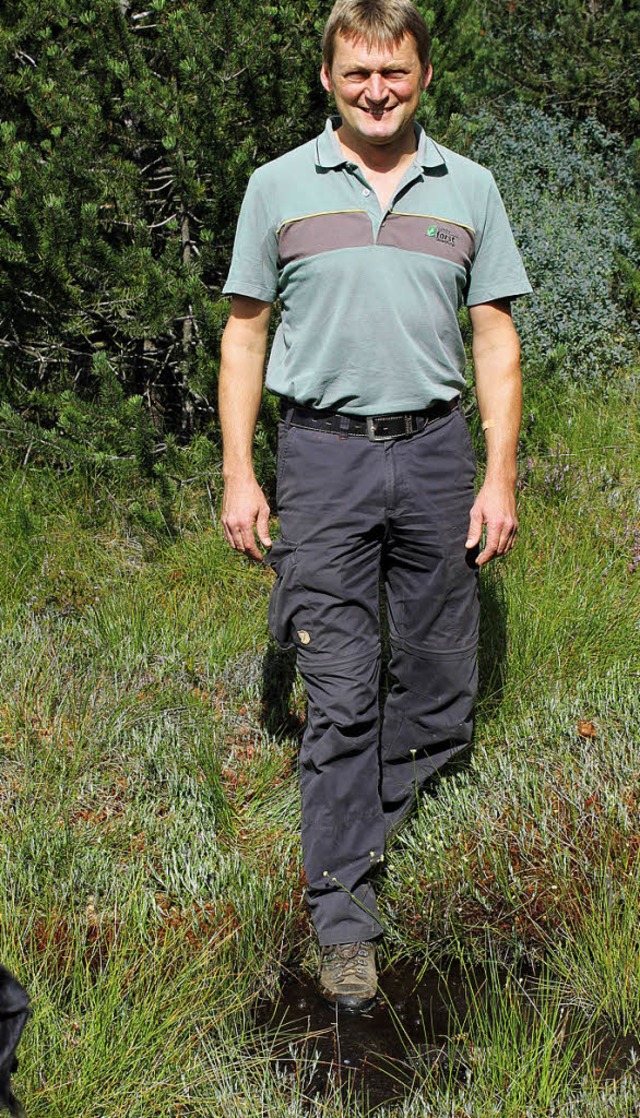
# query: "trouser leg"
(342, 821)
(428, 721)
(325, 602)
(433, 606)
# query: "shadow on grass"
(492, 651)
(278, 678)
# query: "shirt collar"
(329, 154)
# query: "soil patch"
(415, 1029)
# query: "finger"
(249, 545)
(234, 535)
(509, 541)
(490, 548)
(503, 544)
(507, 537)
(240, 537)
(263, 526)
(475, 530)
(228, 534)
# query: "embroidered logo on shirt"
(443, 235)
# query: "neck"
(379, 158)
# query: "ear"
(427, 76)
(325, 78)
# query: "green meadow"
(151, 886)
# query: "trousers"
(357, 516)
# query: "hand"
(244, 512)
(494, 506)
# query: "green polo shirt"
(369, 299)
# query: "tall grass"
(150, 873)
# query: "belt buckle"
(372, 422)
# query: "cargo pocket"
(285, 594)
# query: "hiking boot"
(348, 977)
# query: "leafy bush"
(566, 187)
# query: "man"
(372, 237)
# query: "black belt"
(376, 428)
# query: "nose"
(377, 88)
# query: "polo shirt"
(369, 299)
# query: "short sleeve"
(254, 263)
(497, 271)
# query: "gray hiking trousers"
(351, 510)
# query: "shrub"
(566, 187)
(581, 57)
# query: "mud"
(414, 1030)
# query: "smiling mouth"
(377, 112)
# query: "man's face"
(376, 89)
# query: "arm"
(244, 345)
(496, 356)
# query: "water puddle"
(416, 1028)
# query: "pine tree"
(128, 135)
(580, 57)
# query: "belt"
(376, 428)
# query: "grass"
(150, 876)
(524, 1051)
(597, 952)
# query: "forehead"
(355, 52)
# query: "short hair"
(379, 23)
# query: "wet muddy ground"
(414, 1030)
